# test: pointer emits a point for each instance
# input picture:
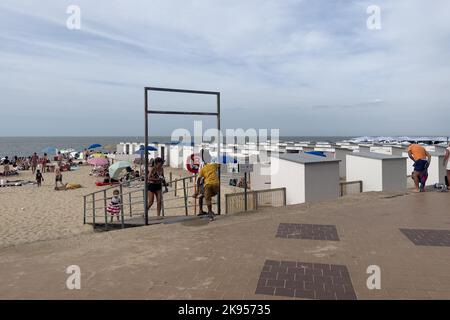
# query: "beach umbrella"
(49, 150)
(141, 150)
(64, 151)
(116, 169)
(94, 146)
(98, 161)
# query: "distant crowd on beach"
(38, 166)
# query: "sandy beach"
(32, 214)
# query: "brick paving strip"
(305, 280)
(307, 231)
(426, 237)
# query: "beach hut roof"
(305, 158)
(376, 156)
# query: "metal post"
(143, 196)
(245, 191)
(170, 178)
(93, 209)
(84, 210)
(175, 190)
(129, 201)
(106, 212)
(185, 197)
(219, 195)
(226, 204)
(121, 207)
(146, 161)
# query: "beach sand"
(32, 214)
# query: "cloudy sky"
(307, 67)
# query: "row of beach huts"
(310, 171)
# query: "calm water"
(25, 146)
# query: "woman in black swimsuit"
(155, 183)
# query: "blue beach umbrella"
(141, 150)
(94, 146)
(49, 150)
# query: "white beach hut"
(378, 172)
(260, 178)
(436, 170)
(307, 178)
(341, 154)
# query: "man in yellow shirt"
(211, 184)
(422, 160)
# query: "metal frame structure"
(148, 111)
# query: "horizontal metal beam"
(184, 113)
(181, 90)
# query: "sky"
(305, 67)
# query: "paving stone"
(426, 237)
(287, 280)
(307, 231)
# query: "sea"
(26, 146)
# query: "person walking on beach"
(211, 185)
(447, 164)
(422, 160)
(155, 181)
(44, 161)
(58, 177)
(6, 163)
(39, 178)
(34, 162)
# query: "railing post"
(341, 186)
(129, 201)
(170, 179)
(255, 200)
(226, 203)
(176, 187)
(121, 206)
(284, 197)
(84, 209)
(93, 209)
(360, 186)
(185, 197)
(145, 204)
(106, 212)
